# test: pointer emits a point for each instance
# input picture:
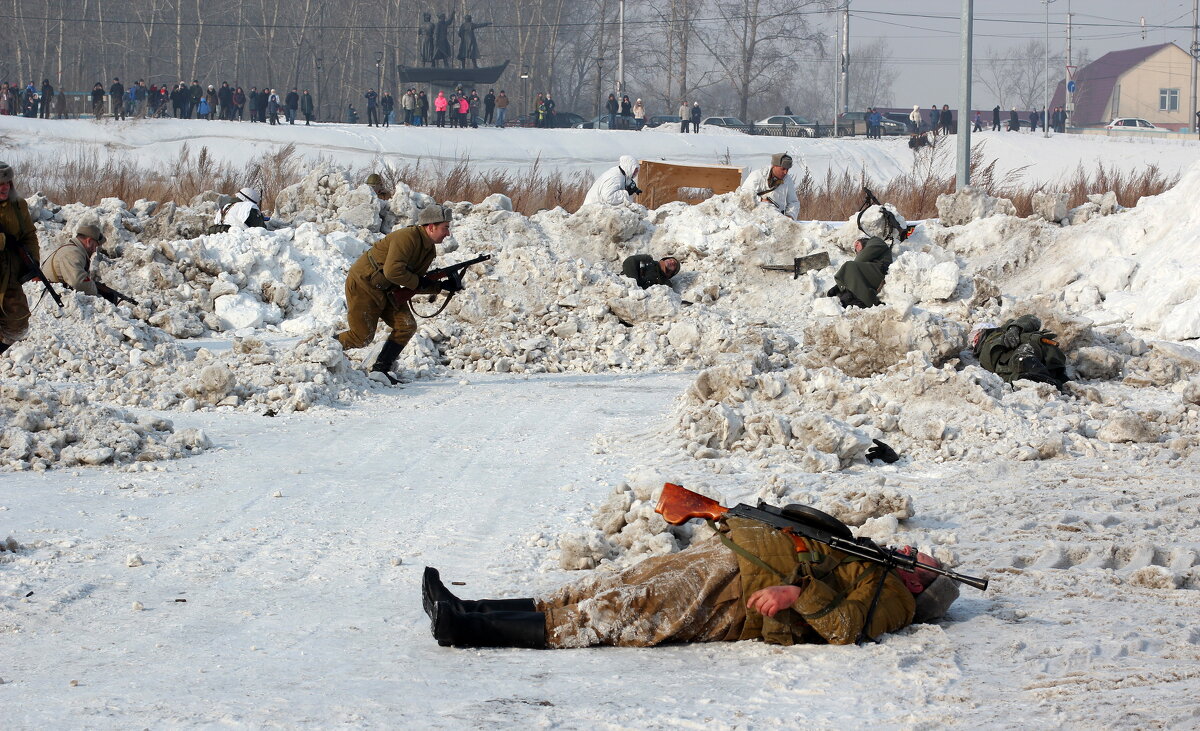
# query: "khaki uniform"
(396, 260)
(698, 595)
(16, 226)
(71, 264)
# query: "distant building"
(1153, 82)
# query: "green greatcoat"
(995, 357)
(864, 276)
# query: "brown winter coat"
(16, 226)
(396, 260)
(71, 264)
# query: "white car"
(1132, 124)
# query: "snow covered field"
(1043, 160)
(216, 520)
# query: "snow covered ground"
(1042, 160)
(216, 520)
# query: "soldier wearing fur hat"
(16, 232)
(775, 185)
(71, 263)
(399, 259)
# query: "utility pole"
(835, 58)
(1195, 54)
(1046, 75)
(845, 98)
(621, 52)
(1069, 107)
(962, 177)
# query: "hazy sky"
(926, 50)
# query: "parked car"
(1134, 124)
(899, 118)
(722, 122)
(661, 119)
(561, 120)
(786, 122)
(601, 122)
(886, 126)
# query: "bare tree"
(1016, 76)
(752, 42)
(872, 75)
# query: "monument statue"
(425, 34)
(468, 47)
(442, 49)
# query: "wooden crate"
(664, 182)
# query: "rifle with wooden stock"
(677, 505)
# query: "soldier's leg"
(14, 316)
(363, 310)
(690, 596)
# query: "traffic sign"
(1071, 86)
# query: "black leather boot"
(452, 628)
(385, 360)
(433, 591)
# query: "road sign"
(1071, 86)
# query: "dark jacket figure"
(648, 272)
(1014, 122)
(292, 103)
(489, 106)
(116, 92)
(306, 107)
(225, 99)
(695, 117)
(387, 103)
(372, 107)
(47, 98)
(858, 281)
(935, 118)
(1033, 121)
(97, 101)
(1020, 348)
(996, 118)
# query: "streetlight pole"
(525, 88)
(621, 53)
(1046, 75)
(379, 72)
(320, 61)
(1193, 122)
(963, 172)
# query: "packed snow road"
(274, 581)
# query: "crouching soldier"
(1020, 348)
(71, 264)
(647, 272)
(751, 583)
(16, 233)
(859, 281)
(399, 259)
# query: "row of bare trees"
(741, 57)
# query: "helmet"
(250, 194)
(434, 214)
(374, 179)
(91, 231)
(6, 173)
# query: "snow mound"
(45, 429)
(971, 204)
(865, 342)
(130, 363)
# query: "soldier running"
(399, 259)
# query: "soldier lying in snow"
(754, 584)
(1020, 348)
(647, 272)
(859, 281)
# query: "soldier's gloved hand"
(1011, 337)
(882, 452)
(424, 282)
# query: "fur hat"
(781, 160)
(6, 172)
(434, 214)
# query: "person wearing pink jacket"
(440, 105)
(464, 110)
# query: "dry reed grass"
(87, 176)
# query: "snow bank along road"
(1041, 160)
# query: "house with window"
(1153, 82)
